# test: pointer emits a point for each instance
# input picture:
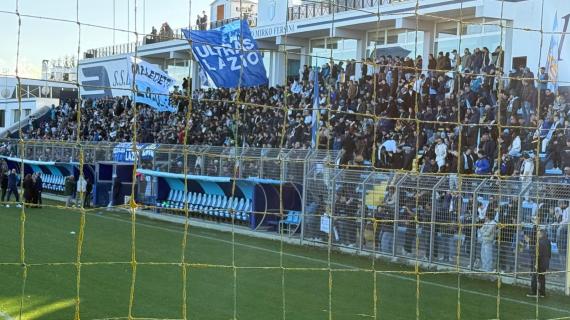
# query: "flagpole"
(315, 116)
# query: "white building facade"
(294, 33)
(34, 94)
(313, 32)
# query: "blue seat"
(246, 210)
(178, 201)
(211, 205)
(227, 207)
(170, 199)
(239, 209)
(196, 201)
(187, 200)
(206, 199)
(291, 222)
(163, 203)
(214, 206)
(61, 183)
(221, 206)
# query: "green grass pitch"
(259, 292)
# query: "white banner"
(114, 78)
(325, 224)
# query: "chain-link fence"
(474, 224)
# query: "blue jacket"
(482, 166)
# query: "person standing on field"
(28, 186)
(13, 188)
(539, 266)
(3, 184)
(117, 185)
(69, 190)
(88, 191)
(81, 189)
(39, 187)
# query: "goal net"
(266, 159)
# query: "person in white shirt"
(515, 148)
(440, 153)
(296, 87)
(453, 59)
(527, 168)
(487, 238)
(390, 145)
(562, 215)
(81, 189)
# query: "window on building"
(403, 38)
(474, 33)
(16, 116)
(377, 38)
(446, 30)
(472, 27)
(338, 49)
(2, 118)
(396, 36)
(27, 112)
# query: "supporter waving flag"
(229, 55)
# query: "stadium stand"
(471, 89)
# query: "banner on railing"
(114, 78)
(229, 55)
(123, 152)
(325, 224)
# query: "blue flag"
(229, 55)
(315, 116)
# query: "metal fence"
(472, 223)
(314, 9)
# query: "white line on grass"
(5, 316)
(435, 284)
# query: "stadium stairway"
(41, 115)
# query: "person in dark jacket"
(117, 191)
(539, 266)
(28, 186)
(3, 184)
(69, 190)
(38, 189)
(13, 188)
(88, 190)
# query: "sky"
(42, 37)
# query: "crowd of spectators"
(463, 115)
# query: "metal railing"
(436, 220)
(251, 20)
(315, 9)
(124, 48)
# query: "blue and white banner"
(204, 81)
(229, 55)
(152, 85)
(114, 78)
(123, 152)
